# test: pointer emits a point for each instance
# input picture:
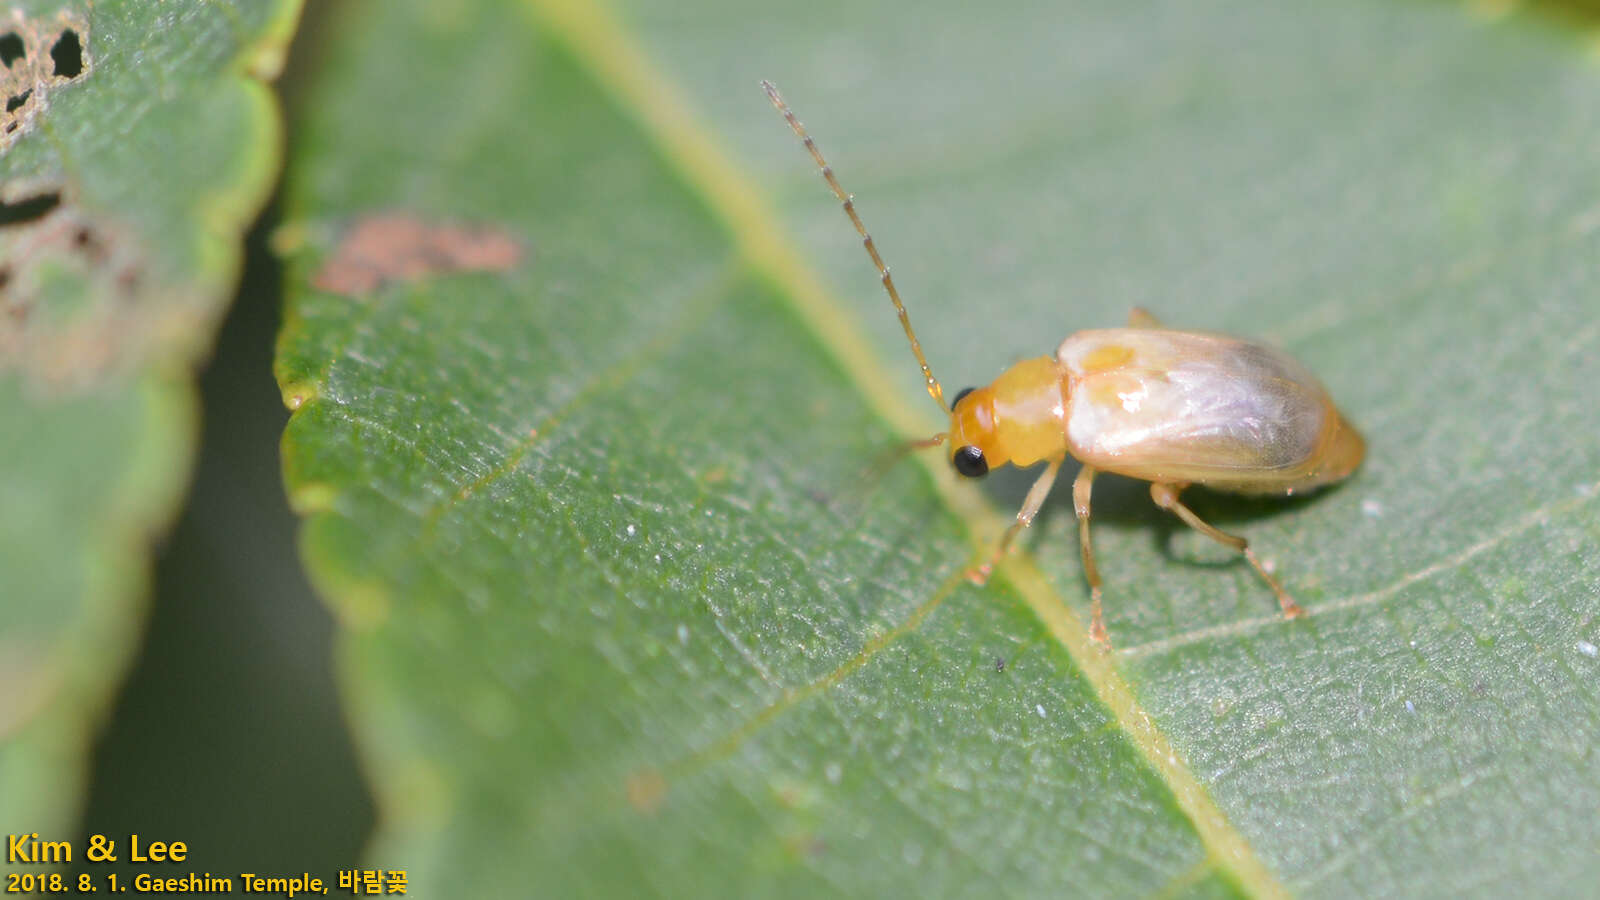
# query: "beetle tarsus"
(979, 575)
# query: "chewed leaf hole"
(67, 55)
(11, 48)
(37, 57)
(30, 210)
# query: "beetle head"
(1019, 419)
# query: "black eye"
(962, 393)
(970, 462)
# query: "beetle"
(1171, 407)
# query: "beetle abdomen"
(1182, 406)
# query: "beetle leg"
(1139, 317)
(1166, 497)
(1080, 503)
(1030, 508)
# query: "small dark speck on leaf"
(11, 48)
(391, 247)
(15, 102)
(999, 663)
(67, 55)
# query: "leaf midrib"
(600, 44)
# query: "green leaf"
(623, 612)
(138, 143)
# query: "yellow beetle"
(1173, 408)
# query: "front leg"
(1030, 508)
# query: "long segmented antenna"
(848, 201)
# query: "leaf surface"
(624, 612)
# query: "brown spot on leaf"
(647, 788)
(803, 845)
(391, 247)
(71, 305)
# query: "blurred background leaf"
(138, 143)
(622, 611)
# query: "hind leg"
(1166, 497)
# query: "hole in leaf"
(15, 103)
(29, 210)
(67, 55)
(11, 48)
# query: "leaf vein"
(610, 378)
(599, 42)
(1526, 521)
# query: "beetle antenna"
(848, 201)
